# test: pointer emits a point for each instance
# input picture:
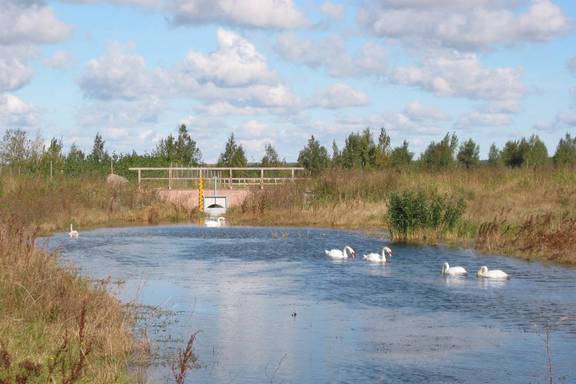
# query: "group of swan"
(348, 252)
(482, 272)
(219, 222)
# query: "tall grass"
(415, 214)
(56, 326)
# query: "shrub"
(413, 213)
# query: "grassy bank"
(526, 212)
(55, 325)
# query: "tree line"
(361, 150)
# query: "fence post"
(261, 178)
(230, 179)
(170, 177)
(292, 174)
(139, 177)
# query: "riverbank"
(525, 213)
(56, 325)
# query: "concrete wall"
(189, 198)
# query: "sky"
(278, 71)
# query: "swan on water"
(493, 274)
(453, 271)
(215, 223)
(73, 233)
(341, 254)
(379, 258)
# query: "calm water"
(355, 322)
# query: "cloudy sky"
(280, 70)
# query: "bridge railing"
(227, 177)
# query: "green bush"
(413, 213)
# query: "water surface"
(355, 323)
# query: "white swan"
(379, 258)
(493, 274)
(453, 271)
(341, 254)
(73, 234)
(215, 223)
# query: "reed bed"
(523, 212)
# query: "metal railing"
(226, 177)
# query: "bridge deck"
(177, 177)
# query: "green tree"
(383, 150)
(494, 156)
(566, 151)
(536, 153)
(54, 150)
(359, 150)
(15, 148)
(98, 155)
(441, 154)
(271, 158)
(186, 152)
(74, 161)
(532, 152)
(233, 155)
(336, 155)
(513, 153)
(314, 157)
(401, 156)
(166, 149)
(469, 154)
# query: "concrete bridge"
(223, 187)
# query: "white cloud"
(234, 80)
(30, 22)
(335, 11)
(59, 60)
(14, 112)
(568, 117)
(236, 63)
(14, 74)
(416, 111)
(484, 119)
(136, 3)
(330, 53)
(121, 112)
(340, 95)
(462, 75)
(120, 74)
(465, 25)
(245, 13)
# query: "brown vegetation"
(56, 326)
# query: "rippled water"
(355, 323)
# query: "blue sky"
(279, 71)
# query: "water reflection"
(491, 283)
(454, 281)
(356, 321)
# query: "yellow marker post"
(201, 194)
